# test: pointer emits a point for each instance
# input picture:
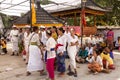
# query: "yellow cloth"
(3, 44)
(54, 35)
(33, 14)
(107, 57)
(33, 43)
(103, 44)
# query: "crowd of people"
(50, 47)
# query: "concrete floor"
(14, 68)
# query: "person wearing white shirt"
(72, 51)
(35, 62)
(51, 54)
(27, 34)
(61, 51)
(95, 63)
(14, 39)
(100, 38)
(67, 32)
(91, 39)
(43, 35)
(89, 48)
(96, 39)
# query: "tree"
(113, 17)
(44, 2)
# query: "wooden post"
(94, 20)
(30, 15)
(75, 19)
(82, 8)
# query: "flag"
(33, 13)
(83, 18)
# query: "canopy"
(16, 7)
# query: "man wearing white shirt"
(43, 35)
(14, 39)
(27, 34)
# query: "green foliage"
(44, 2)
(6, 20)
(110, 18)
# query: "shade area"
(16, 7)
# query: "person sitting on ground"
(117, 44)
(103, 44)
(82, 54)
(91, 50)
(95, 63)
(107, 60)
(3, 45)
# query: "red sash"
(58, 45)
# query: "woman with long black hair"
(61, 51)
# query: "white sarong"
(15, 47)
(35, 62)
(72, 51)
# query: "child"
(3, 44)
(95, 63)
(107, 59)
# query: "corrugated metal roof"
(74, 5)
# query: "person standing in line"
(14, 39)
(43, 35)
(20, 40)
(54, 32)
(35, 62)
(72, 51)
(67, 32)
(51, 54)
(61, 51)
(27, 34)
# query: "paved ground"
(14, 68)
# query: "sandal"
(43, 73)
(28, 73)
(75, 74)
(70, 73)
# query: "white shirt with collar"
(51, 43)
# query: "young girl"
(95, 63)
(61, 51)
(50, 48)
